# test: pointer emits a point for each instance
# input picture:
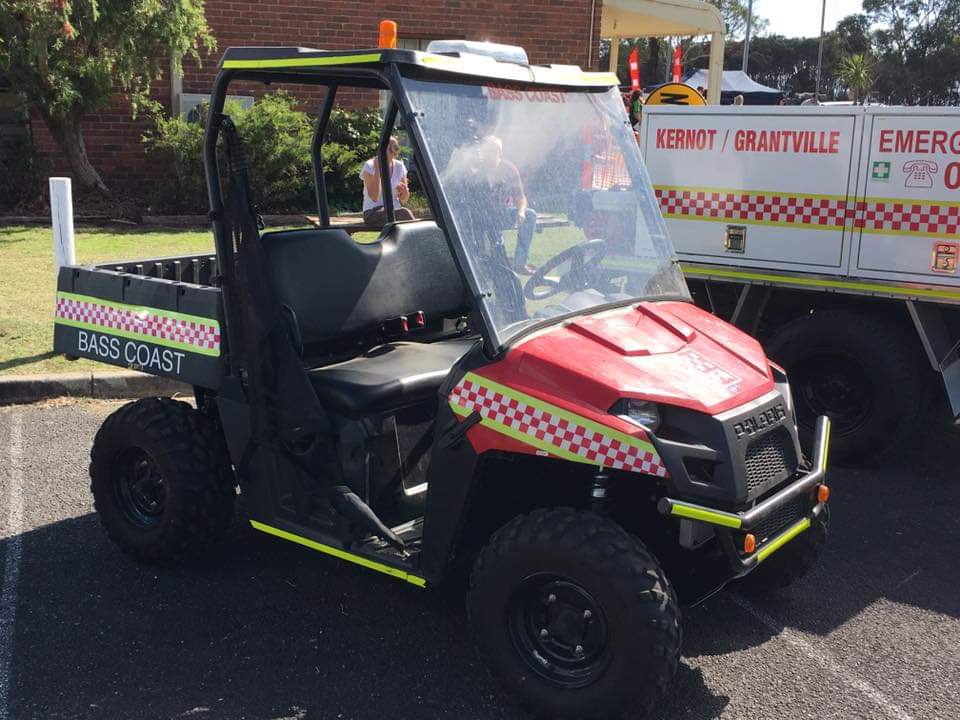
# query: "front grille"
(780, 519)
(770, 457)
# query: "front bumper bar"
(725, 522)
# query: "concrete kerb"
(21, 389)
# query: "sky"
(801, 18)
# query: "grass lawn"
(28, 285)
(28, 282)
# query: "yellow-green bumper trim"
(341, 554)
(694, 512)
(782, 539)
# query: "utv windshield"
(549, 198)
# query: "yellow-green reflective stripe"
(341, 554)
(300, 62)
(556, 412)
(819, 282)
(826, 447)
(695, 513)
(740, 191)
(750, 221)
(765, 552)
(142, 337)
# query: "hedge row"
(277, 138)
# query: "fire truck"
(830, 234)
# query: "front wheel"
(574, 616)
(161, 480)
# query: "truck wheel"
(857, 370)
(161, 480)
(791, 562)
(574, 616)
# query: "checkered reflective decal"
(872, 215)
(191, 333)
(827, 213)
(552, 429)
(905, 217)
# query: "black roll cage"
(385, 78)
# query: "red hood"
(668, 352)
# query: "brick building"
(557, 31)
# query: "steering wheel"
(584, 257)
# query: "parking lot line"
(11, 561)
(825, 660)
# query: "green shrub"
(176, 149)
(351, 139)
(277, 139)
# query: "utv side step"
(383, 558)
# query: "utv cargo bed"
(160, 316)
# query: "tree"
(67, 57)
(735, 13)
(856, 72)
(918, 50)
(853, 34)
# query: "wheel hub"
(559, 629)
(835, 386)
(140, 488)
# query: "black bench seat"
(387, 377)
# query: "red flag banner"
(677, 55)
(635, 69)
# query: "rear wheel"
(574, 616)
(161, 480)
(857, 370)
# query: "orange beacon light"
(388, 34)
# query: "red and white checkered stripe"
(756, 207)
(547, 430)
(922, 218)
(149, 323)
(870, 215)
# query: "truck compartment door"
(909, 212)
(771, 187)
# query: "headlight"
(639, 412)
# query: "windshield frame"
(495, 344)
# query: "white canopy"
(734, 81)
(660, 18)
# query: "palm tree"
(857, 73)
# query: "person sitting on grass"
(374, 212)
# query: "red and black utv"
(595, 446)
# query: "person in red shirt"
(507, 191)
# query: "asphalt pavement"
(266, 629)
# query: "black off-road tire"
(791, 562)
(193, 502)
(861, 370)
(634, 601)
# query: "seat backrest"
(337, 286)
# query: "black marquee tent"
(737, 82)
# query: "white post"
(746, 39)
(614, 54)
(61, 218)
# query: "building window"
(413, 44)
